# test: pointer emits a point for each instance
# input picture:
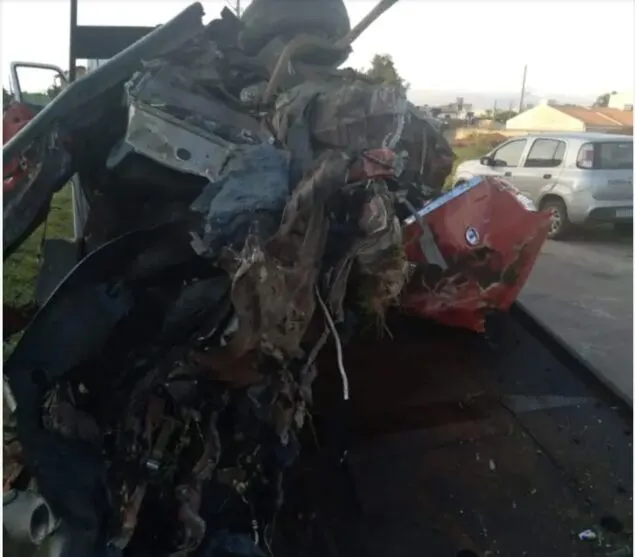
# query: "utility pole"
(236, 6)
(521, 104)
(72, 63)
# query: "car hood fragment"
(472, 250)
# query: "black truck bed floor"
(461, 447)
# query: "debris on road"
(588, 535)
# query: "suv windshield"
(614, 155)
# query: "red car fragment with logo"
(472, 250)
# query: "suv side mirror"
(487, 161)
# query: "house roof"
(598, 116)
(624, 117)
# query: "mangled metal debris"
(243, 212)
(473, 249)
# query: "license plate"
(624, 213)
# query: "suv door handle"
(546, 176)
(508, 173)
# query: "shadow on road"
(599, 235)
(583, 288)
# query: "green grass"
(475, 151)
(21, 269)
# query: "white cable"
(338, 344)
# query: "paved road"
(583, 289)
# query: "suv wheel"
(559, 225)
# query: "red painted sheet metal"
(472, 251)
(15, 117)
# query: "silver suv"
(584, 178)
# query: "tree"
(603, 100)
(383, 70)
(505, 115)
(53, 91)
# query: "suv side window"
(545, 153)
(509, 154)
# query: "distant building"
(455, 111)
(424, 109)
(564, 118)
(482, 112)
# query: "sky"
(577, 48)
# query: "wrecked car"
(248, 203)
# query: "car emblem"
(471, 236)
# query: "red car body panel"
(472, 251)
(15, 117)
